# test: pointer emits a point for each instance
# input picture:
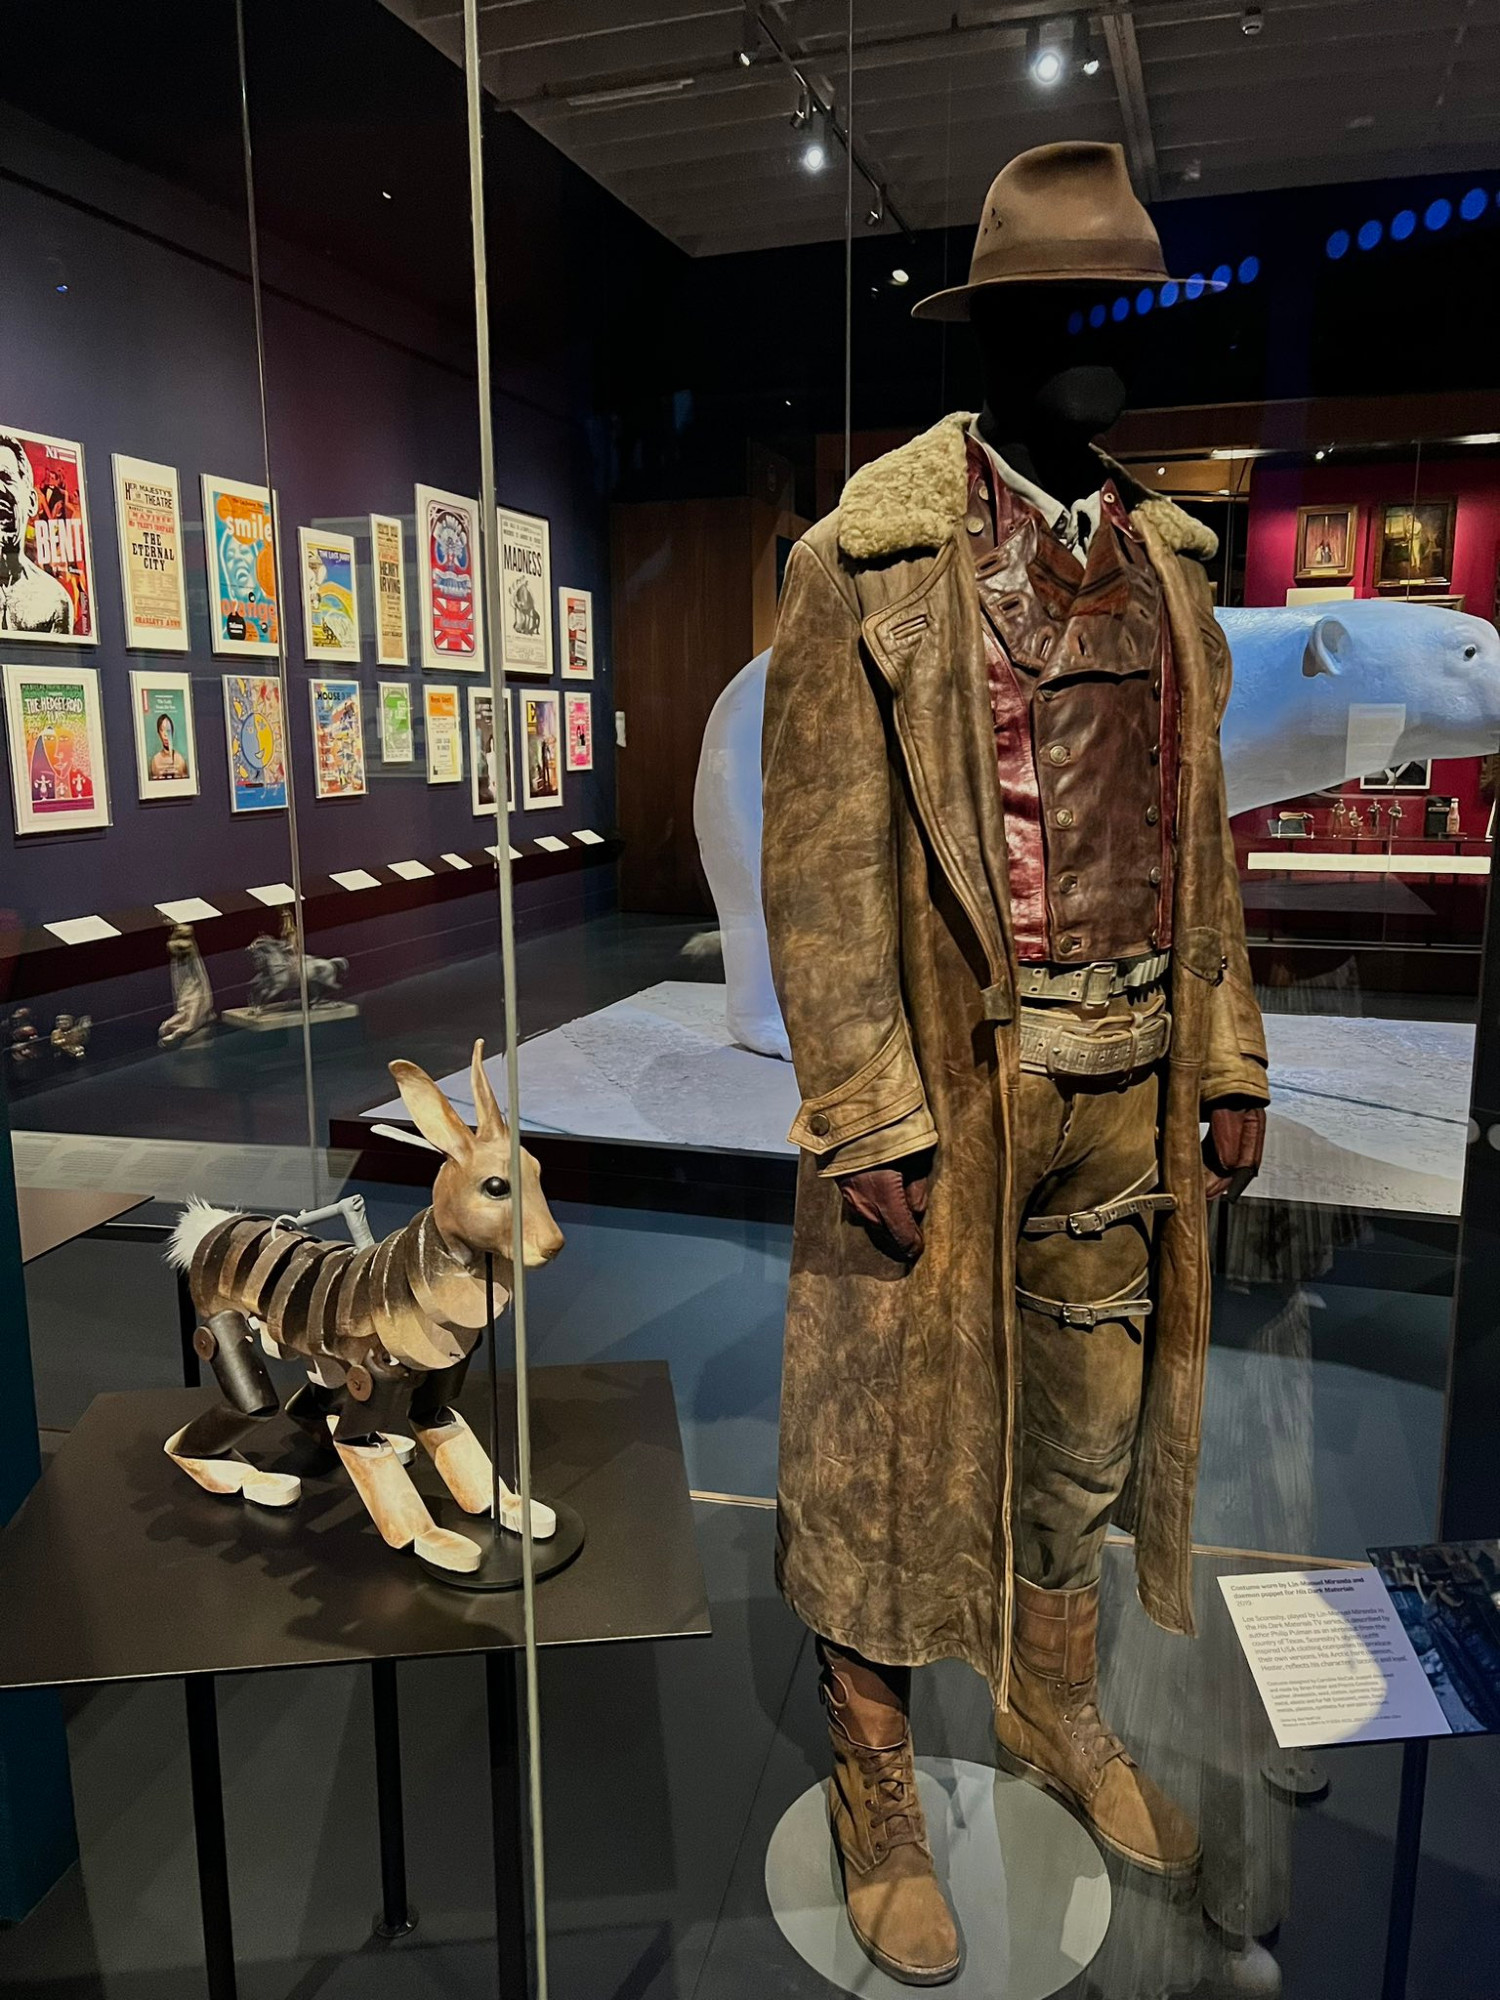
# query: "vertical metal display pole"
(208, 1833)
(397, 1917)
(506, 1818)
(1404, 1868)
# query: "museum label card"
(551, 843)
(355, 878)
(189, 910)
(409, 871)
(1374, 730)
(456, 861)
(1331, 1657)
(588, 836)
(81, 930)
(273, 894)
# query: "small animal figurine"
(385, 1333)
(275, 982)
(192, 996)
(70, 1035)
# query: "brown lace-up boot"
(1053, 1733)
(897, 1909)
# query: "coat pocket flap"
(887, 1088)
(1201, 952)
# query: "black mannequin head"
(1049, 393)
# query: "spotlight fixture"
(749, 46)
(900, 277)
(1252, 20)
(814, 154)
(1049, 50)
(802, 116)
(1320, 453)
(1090, 64)
(876, 212)
(744, 57)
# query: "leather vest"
(1084, 703)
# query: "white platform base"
(1028, 1887)
(261, 1020)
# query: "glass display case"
(685, 857)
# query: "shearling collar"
(914, 498)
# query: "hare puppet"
(385, 1332)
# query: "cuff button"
(819, 1124)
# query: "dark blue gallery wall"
(151, 351)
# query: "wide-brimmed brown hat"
(1057, 214)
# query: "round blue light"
(1223, 278)
(1075, 322)
(61, 288)
(1120, 309)
(1369, 235)
(1193, 289)
(1097, 316)
(1437, 213)
(1171, 291)
(1473, 205)
(1249, 270)
(1145, 299)
(1403, 224)
(1338, 244)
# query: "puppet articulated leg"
(398, 1509)
(205, 1448)
(461, 1460)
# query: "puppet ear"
(1326, 641)
(431, 1113)
(488, 1116)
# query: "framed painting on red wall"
(1325, 544)
(1416, 544)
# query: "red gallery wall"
(1270, 566)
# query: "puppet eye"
(495, 1188)
(1470, 651)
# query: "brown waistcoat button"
(1155, 753)
(1067, 885)
(1063, 816)
(1059, 753)
(1068, 945)
(818, 1123)
(982, 490)
(1153, 814)
(974, 525)
(1154, 878)
(1156, 690)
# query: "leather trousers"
(1086, 1159)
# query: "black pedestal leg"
(508, 1814)
(396, 1917)
(187, 1326)
(1404, 1868)
(208, 1831)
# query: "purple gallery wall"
(126, 322)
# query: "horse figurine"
(385, 1332)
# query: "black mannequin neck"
(1048, 394)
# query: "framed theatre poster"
(1416, 544)
(239, 543)
(445, 743)
(46, 558)
(541, 759)
(330, 612)
(256, 737)
(452, 599)
(575, 627)
(389, 564)
(166, 748)
(56, 731)
(526, 593)
(148, 514)
(396, 745)
(484, 753)
(338, 727)
(1325, 543)
(579, 711)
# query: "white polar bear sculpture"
(1320, 695)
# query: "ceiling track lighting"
(749, 47)
(1253, 19)
(814, 154)
(802, 116)
(1059, 46)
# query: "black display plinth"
(118, 1568)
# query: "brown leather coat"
(887, 906)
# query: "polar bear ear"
(1326, 643)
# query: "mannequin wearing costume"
(999, 890)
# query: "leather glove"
(890, 1201)
(1233, 1146)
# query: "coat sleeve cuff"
(915, 1133)
(886, 1090)
(1247, 1078)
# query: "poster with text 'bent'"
(148, 514)
(46, 558)
(56, 732)
(239, 544)
(449, 584)
(256, 737)
(526, 591)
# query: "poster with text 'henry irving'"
(240, 544)
(448, 571)
(46, 563)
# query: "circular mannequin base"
(1295, 1775)
(500, 1555)
(1027, 1884)
(388, 1933)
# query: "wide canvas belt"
(1092, 985)
(1054, 1047)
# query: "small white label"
(457, 861)
(588, 836)
(620, 727)
(409, 871)
(188, 910)
(273, 893)
(551, 843)
(355, 878)
(81, 930)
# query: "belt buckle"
(1085, 1222)
(1099, 983)
(1079, 1316)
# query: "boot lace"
(895, 1812)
